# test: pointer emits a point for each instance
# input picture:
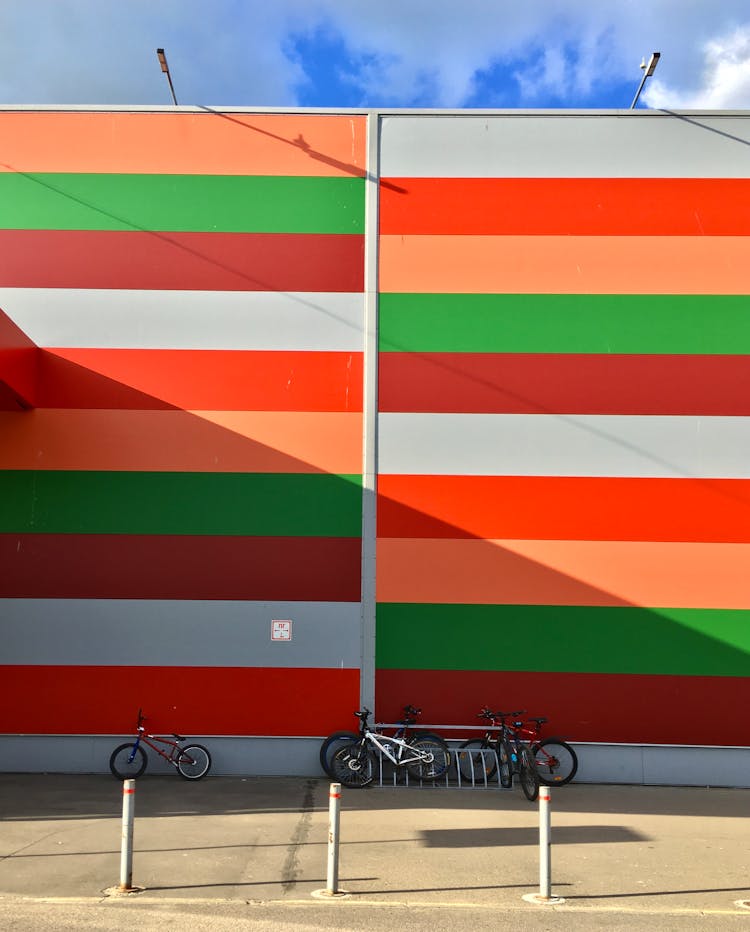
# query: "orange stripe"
(184, 143)
(206, 380)
(565, 264)
(533, 572)
(564, 508)
(182, 441)
(565, 206)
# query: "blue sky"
(392, 53)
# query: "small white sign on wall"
(281, 630)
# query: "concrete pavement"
(230, 849)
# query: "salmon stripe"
(581, 572)
(565, 264)
(182, 441)
(208, 142)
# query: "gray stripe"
(103, 632)
(653, 145)
(562, 445)
(219, 320)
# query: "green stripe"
(563, 639)
(181, 203)
(532, 323)
(69, 502)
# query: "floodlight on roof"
(648, 69)
(165, 68)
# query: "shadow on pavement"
(508, 837)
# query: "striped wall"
(564, 423)
(190, 287)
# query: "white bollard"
(545, 896)
(334, 810)
(545, 847)
(126, 855)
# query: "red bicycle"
(128, 761)
(555, 760)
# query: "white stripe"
(135, 632)
(217, 320)
(626, 145)
(564, 445)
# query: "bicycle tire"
(353, 765)
(435, 767)
(331, 744)
(476, 767)
(556, 761)
(504, 764)
(528, 776)
(194, 762)
(128, 766)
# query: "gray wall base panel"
(663, 765)
(90, 754)
(598, 763)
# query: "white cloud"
(725, 78)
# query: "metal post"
(126, 856)
(545, 848)
(545, 897)
(334, 809)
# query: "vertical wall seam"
(369, 412)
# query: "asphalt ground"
(227, 851)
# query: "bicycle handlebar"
(486, 713)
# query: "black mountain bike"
(509, 754)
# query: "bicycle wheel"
(331, 744)
(528, 776)
(353, 765)
(194, 762)
(556, 761)
(504, 764)
(437, 761)
(128, 761)
(476, 761)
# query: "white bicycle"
(425, 757)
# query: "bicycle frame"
(143, 737)
(500, 731)
(381, 742)
(175, 750)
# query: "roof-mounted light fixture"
(165, 68)
(648, 70)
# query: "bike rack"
(388, 775)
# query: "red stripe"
(566, 206)
(549, 383)
(564, 508)
(104, 566)
(192, 700)
(192, 261)
(18, 367)
(617, 708)
(208, 380)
